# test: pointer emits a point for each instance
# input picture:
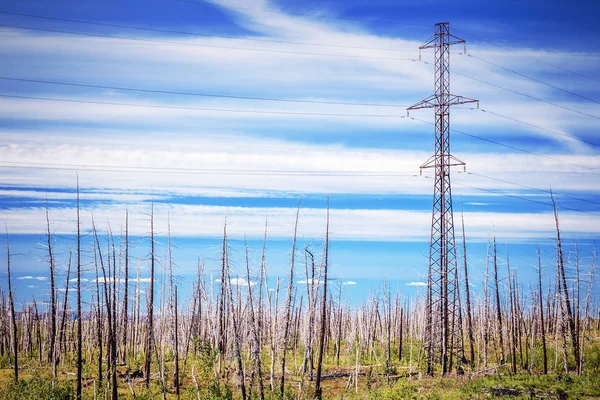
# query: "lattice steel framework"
(441, 339)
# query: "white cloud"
(237, 282)
(349, 283)
(416, 284)
(348, 224)
(241, 282)
(122, 280)
(226, 141)
(37, 278)
(309, 281)
(75, 280)
(31, 287)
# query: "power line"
(112, 25)
(158, 91)
(526, 199)
(304, 14)
(539, 127)
(196, 171)
(531, 78)
(508, 146)
(205, 45)
(536, 59)
(263, 172)
(214, 95)
(202, 109)
(526, 95)
(534, 188)
(283, 113)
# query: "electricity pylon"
(442, 300)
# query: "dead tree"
(467, 292)
(255, 326)
(288, 308)
(222, 298)
(318, 391)
(79, 318)
(565, 291)
(498, 305)
(150, 317)
(51, 349)
(126, 288)
(234, 318)
(13, 319)
(541, 305)
(513, 344)
(98, 319)
(176, 348)
(109, 312)
(61, 331)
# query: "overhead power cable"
(538, 127)
(286, 113)
(526, 95)
(534, 188)
(215, 95)
(177, 32)
(202, 109)
(531, 78)
(158, 91)
(250, 172)
(535, 58)
(288, 13)
(526, 199)
(197, 171)
(509, 146)
(205, 45)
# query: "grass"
(501, 386)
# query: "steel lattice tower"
(442, 303)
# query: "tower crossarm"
(442, 100)
(442, 30)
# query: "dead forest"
(241, 336)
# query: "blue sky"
(192, 134)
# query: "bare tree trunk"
(222, 296)
(498, 306)
(98, 321)
(565, 290)
(12, 312)
(234, 318)
(79, 318)
(109, 312)
(588, 297)
(61, 331)
(318, 391)
(467, 292)
(255, 329)
(486, 309)
(401, 334)
(176, 361)
(543, 331)
(150, 317)
(51, 349)
(288, 308)
(126, 288)
(513, 347)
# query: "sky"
(241, 111)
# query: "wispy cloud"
(122, 280)
(29, 277)
(310, 281)
(416, 284)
